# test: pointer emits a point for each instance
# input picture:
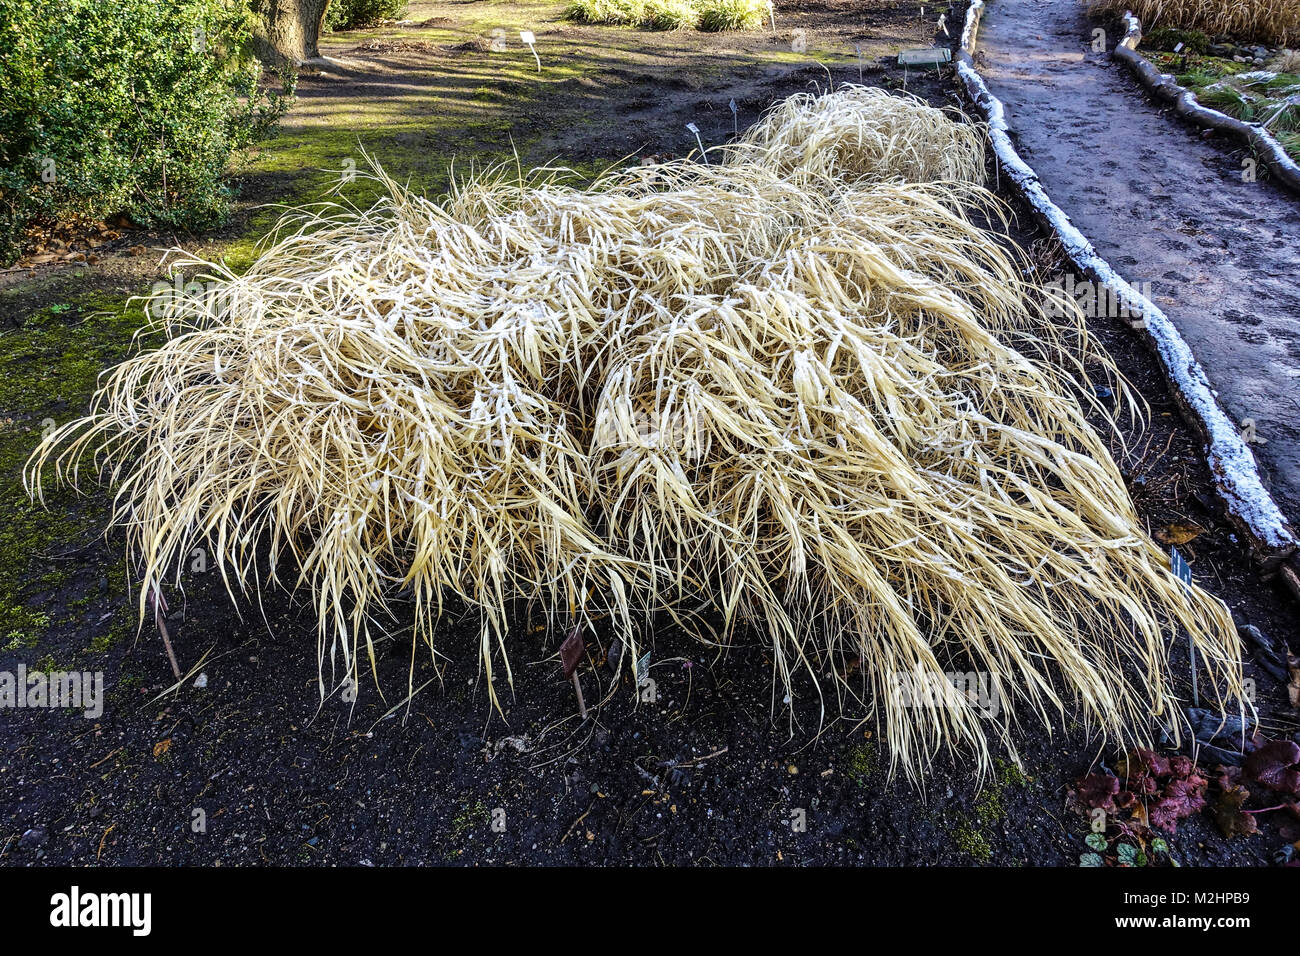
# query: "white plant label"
(696, 130)
(531, 41)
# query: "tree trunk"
(292, 29)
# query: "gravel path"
(1168, 209)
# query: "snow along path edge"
(1165, 87)
(1249, 505)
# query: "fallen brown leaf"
(1179, 533)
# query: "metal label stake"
(696, 130)
(1182, 571)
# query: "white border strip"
(1250, 507)
(1186, 105)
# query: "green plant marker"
(1178, 564)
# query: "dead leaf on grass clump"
(1176, 534)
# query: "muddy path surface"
(1169, 208)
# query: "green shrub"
(354, 14)
(133, 106)
(733, 14)
(606, 11)
(671, 14)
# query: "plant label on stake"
(735, 118)
(642, 668)
(1178, 564)
(943, 24)
(531, 41)
(570, 656)
(696, 130)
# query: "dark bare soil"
(714, 771)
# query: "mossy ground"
(49, 364)
(974, 832)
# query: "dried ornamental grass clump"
(800, 382)
(862, 135)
